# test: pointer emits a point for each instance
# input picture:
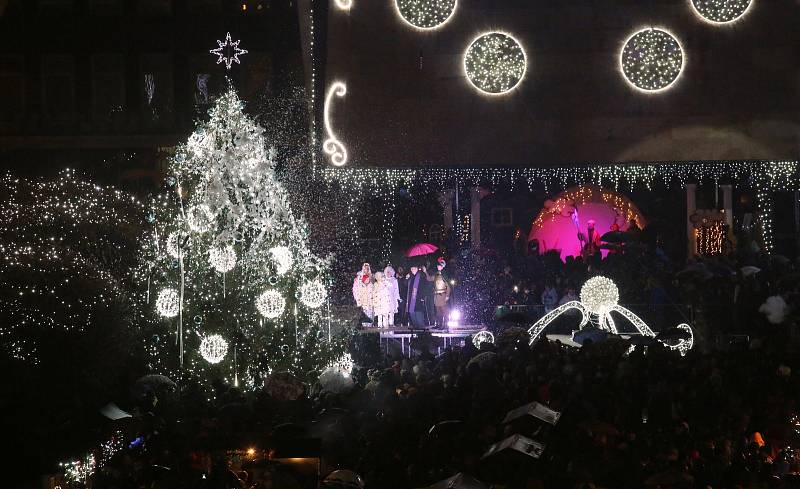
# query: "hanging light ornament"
(721, 11)
(313, 293)
(482, 337)
(599, 295)
(222, 258)
(199, 218)
(168, 303)
(271, 304)
(651, 60)
(495, 63)
(213, 348)
(283, 259)
(425, 14)
(175, 242)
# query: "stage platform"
(404, 335)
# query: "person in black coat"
(417, 287)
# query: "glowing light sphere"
(482, 337)
(651, 60)
(174, 243)
(222, 258)
(425, 14)
(721, 11)
(599, 295)
(213, 348)
(168, 303)
(200, 218)
(344, 364)
(283, 259)
(313, 293)
(495, 63)
(270, 304)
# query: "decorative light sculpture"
(200, 218)
(482, 337)
(283, 259)
(426, 14)
(344, 364)
(168, 303)
(223, 56)
(599, 298)
(721, 11)
(651, 60)
(313, 293)
(213, 348)
(222, 258)
(332, 146)
(495, 63)
(344, 4)
(175, 241)
(271, 304)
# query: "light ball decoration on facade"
(495, 63)
(168, 303)
(282, 256)
(222, 258)
(599, 295)
(199, 218)
(651, 60)
(313, 293)
(270, 304)
(426, 14)
(213, 348)
(482, 337)
(721, 11)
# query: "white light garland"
(651, 60)
(270, 304)
(200, 218)
(223, 57)
(599, 295)
(213, 348)
(313, 293)
(425, 14)
(721, 11)
(222, 258)
(283, 259)
(482, 337)
(168, 303)
(174, 244)
(495, 63)
(332, 146)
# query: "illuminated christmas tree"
(228, 263)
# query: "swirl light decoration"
(222, 258)
(271, 304)
(599, 298)
(482, 337)
(283, 259)
(213, 348)
(651, 60)
(168, 303)
(721, 11)
(313, 294)
(495, 63)
(426, 14)
(332, 146)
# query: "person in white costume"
(362, 291)
(394, 292)
(382, 300)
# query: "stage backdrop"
(409, 103)
(558, 223)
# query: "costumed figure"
(415, 303)
(441, 292)
(394, 292)
(362, 290)
(590, 242)
(382, 298)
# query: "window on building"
(155, 7)
(58, 87)
(502, 217)
(108, 86)
(12, 88)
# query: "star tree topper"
(221, 51)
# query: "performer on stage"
(394, 292)
(590, 242)
(382, 298)
(415, 305)
(362, 290)
(441, 292)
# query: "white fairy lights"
(332, 146)
(213, 348)
(313, 293)
(222, 258)
(270, 304)
(482, 337)
(425, 14)
(495, 63)
(200, 218)
(228, 57)
(168, 303)
(721, 11)
(282, 256)
(175, 243)
(599, 295)
(651, 60)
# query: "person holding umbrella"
(415, 293)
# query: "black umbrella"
(616, 237)
(674, 334)
(642, 340)
(446, 428)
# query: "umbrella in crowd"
(482, 358)
(673, 334)
(595, 335)
(616, 237)
(749, 270)
(421, 249)
(446, 428)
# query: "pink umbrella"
(421, 249)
